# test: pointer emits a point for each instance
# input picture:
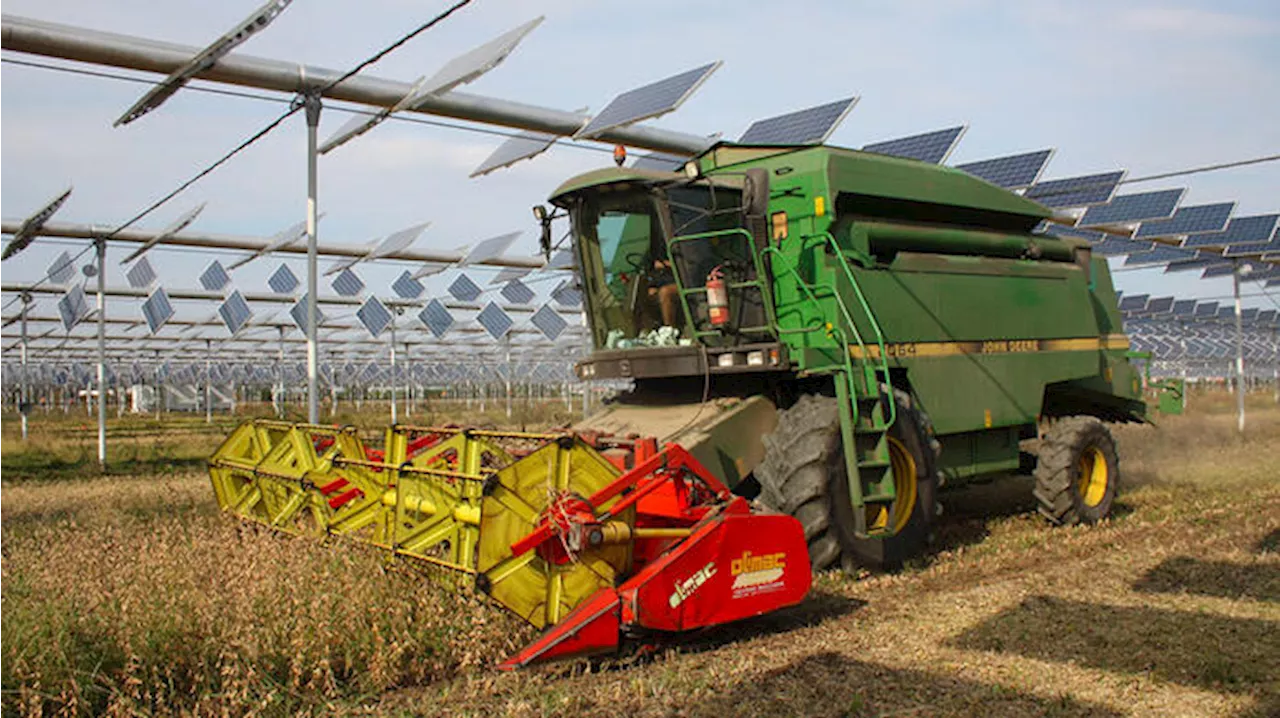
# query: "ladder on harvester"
(867, 407)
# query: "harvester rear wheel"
(1077, 472)
(803, 474)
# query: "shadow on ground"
(831, 684)
(1212, 578)
(1218, 653)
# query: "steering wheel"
(637, 262)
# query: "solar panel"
(214, 277)
(1134, 207)
(1252, 250)
(932, 147)
(1160, 305)
(1239, 231)
(299, 314)
(549, 322)
(1184, 307)
(1198, 263)
(1218, 270)
(1226, 312)
(1012, 172)
(509, 273)
(157, 310)
(397, 242)
(282, 281)
(140, 275)
(566, 294)
(1076, 191)
(235, 312)
(406, 287)
(463, 289)
(374, 315)
(490, 248)
(62, 271)
(73, 307)
(436, 318)
(1248, 313)
(1119, 245)
(1160, 255)
(474, 63)
(522, 146)
(1267, 316)
(659, 162)
(1134, 303)
(1189, 220)
(562, 259)
(517, 292)
(494, 320)
(811, 126)
(649, 101)
(428, 270)
(347, 284)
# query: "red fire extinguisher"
(717, 298)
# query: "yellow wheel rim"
(895, 516)
(1094, 476)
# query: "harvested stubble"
(132, 595)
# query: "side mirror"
(755, 193)
(544, 219)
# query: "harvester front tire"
(803, 474)
(800, 458)
(1077, 471)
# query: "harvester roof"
(846, 172)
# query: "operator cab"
(666, 262)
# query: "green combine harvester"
(816, 339)
(854, 332)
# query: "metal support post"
(102, 351)
(208, 381)
(278, 391)
(393, 368)
(313, 122)
(24, 402)
(1240, 389)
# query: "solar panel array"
(811, 126)
(931, 147)
(652, 100)
(1011, 172)
(491, 248)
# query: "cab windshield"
(633, 273)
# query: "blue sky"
(1147, 86)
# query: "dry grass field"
(130, 594)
